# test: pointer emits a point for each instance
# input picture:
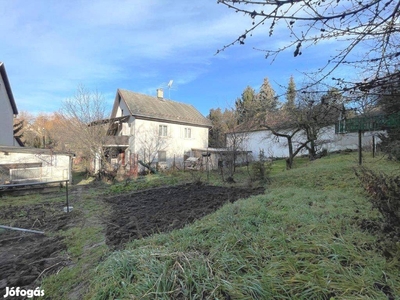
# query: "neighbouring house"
(276, 147)
(153, 131)
(8, 110)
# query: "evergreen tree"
(268, 102)
(246, 106)
(222, 122)
(216, 134)
(291, 95)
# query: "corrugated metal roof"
(146, 106)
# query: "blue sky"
(49, 48)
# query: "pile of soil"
(161, 210)
(26, 257)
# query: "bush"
(385, 192)
(261, 169)
(391, 148)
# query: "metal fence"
(368, 123)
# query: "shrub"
(261, 169)
(385, 192)
(391, 148)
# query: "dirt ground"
(25, 258)
(161, 210)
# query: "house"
(153, 131)
(8, 109)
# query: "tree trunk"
(311, 150)
(289, 160)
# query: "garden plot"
(25, 258)
(143, 213)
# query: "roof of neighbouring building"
(8, 88)
(152, 107)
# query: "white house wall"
(6, 117)
(146, 135)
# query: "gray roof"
(3, 74)
(151, 107)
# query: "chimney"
(160, 94)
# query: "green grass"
(301, 240)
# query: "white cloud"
(49, 47)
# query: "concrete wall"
(19, 165)
(277, 146)
(6, 117)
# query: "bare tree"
(302, 125)
(152, 142)
(83, 129)
(236, 142)
(315, 112)
(284, 124)
(369, 27)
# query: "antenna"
(169, 88)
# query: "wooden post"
(66, 191)
(373, 146)
(359, 147)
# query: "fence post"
(373, 146)
(359, 147)
(66, 192)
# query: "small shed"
(31, 165)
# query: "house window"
(162, 156)
(188, 133)
(162, 130)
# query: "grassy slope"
(301, 240)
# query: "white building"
(154, 130)
(276, 147)
(8, 109)
(31, 165)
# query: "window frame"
(188, 133)
(162, 130)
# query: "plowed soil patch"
(25, 258)
(161, 210)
